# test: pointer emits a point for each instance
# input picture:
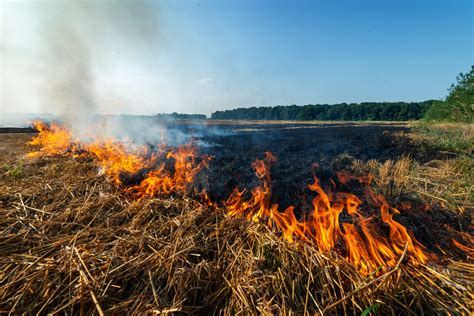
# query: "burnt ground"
(301, 149)
(298, 148)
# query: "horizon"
(209, 116)
(201, 57)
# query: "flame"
(54, 140)
(161, 181)
(368, 235)
(362, 242)
(116, 159)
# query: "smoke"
(69, 82)
(76, 59)
(55, 62)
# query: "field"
(78, 235)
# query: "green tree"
(459, 104)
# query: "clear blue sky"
(201, 56)
(284, 52)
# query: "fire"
(161, 181)
(361, 240)
(369, 241)
(53, 139)
(117, 159)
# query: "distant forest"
(179, 116)
(365, 111)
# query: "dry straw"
(71, 242)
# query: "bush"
(458, 105)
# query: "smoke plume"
(57, 62)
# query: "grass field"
(72, 241)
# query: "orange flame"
(161, 181)
(364, 246)
(115, 159)
(53, 139)
(118, 158)
(369, 242)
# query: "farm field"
(236, 158)
(79, 235)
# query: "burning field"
(253, 218)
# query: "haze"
(79, 58)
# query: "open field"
(74, 241)
(236, 158)
(297, 147)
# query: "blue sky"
(274, 52)
(215, 55)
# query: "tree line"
(458, 106)
(365, 111)
(180, 116)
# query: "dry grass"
(447, 183)
(455, 138)
(71, 242)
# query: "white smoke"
(54, 53)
